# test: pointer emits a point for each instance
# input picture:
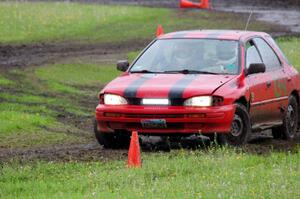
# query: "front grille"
(138, 101)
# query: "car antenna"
(248, 21)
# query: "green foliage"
(218, 173)
(27, 22)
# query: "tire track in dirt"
(259, 144)
(46, 53)
(63, 153)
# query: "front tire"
(240, 128)
(289, 127)
(114, 140)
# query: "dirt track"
(261, 145)
(41, 54)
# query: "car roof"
(212, 34)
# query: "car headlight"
(111, 99)
(199, 101)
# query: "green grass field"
(217, 173)
(24, 22)
(291, 47)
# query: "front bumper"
(179, 119)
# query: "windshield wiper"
(186, 71)
(144, 71)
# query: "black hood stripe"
(131, 90)
(176, 92)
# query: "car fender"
(234, 90)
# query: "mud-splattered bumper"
(176, 119)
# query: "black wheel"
(240, 128)
(112, 140)
(289, 127)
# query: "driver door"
(262, 109)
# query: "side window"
(269, 57)
(271, 40)
(252, 55)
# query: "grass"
(31, 125)
(77, 74)
(291, 48)
(55, 103)
(33, 136)
(11, 121)
(27, 22)
(22, 126)
(132, 55)
(30, 115)
(32, 112)
(217, 173)
(4, 81)
(16, 117)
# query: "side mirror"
(256, 68)
(122, 65)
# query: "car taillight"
(101, 98)
(218, 101)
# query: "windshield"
(209, 56)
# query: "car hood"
(166, 85)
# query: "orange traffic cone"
(203, 4)
(188, 4)
(134, 154)
(159, 31)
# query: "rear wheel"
(289, 127)
(114, 140)
(240, 128)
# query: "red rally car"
(223, 84)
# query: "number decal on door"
(280, 88)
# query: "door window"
(271, 40)
(269, 57)
(252, 55)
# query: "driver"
(187, 55)
(227, 55)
